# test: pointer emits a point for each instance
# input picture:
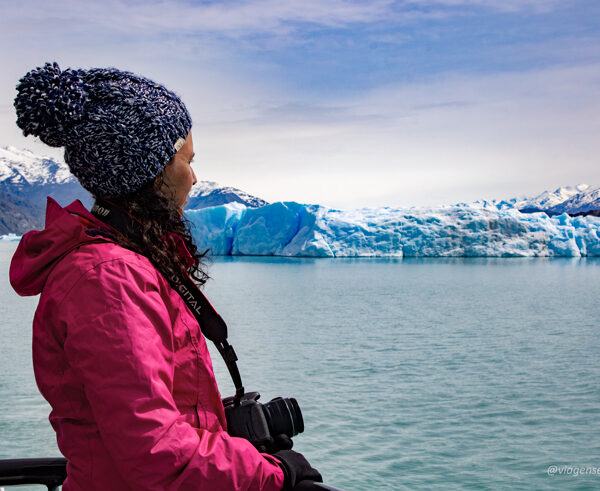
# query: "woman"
(116, 352)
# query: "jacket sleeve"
(119, 340)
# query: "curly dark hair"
(159, 218)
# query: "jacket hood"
(40, 250)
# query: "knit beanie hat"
(119, 130)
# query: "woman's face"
(178, 176)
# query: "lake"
(411, 373)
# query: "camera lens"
(284, 416)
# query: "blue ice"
(294, 229)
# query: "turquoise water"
(411, 374)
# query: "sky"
(346, 103)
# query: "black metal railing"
(50, 472)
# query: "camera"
(260, 424)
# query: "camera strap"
(211, 323)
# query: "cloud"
(176, 17)
(240, 18)
(493, 5)
(456, 138)
(446, 136)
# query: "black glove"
(280, 442)
(296, 468)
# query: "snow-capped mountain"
(26, 179)
(230, 221)
(587, 202)
(209, 193)
(567, 199)
(581, 199)
(23, 168)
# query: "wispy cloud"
(348, 102)
(175, 17)
(237, 18)
(455, 138)
(497, 5)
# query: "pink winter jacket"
(124, 365)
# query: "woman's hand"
(296, 468)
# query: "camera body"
(260, 423)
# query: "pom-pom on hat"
(119, 130)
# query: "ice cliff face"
(243, 224)
(292, 229)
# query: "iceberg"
(10, 237)
(294, 229)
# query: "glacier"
(10, 237)
(229, 221)
(294, 229)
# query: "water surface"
(411, 373)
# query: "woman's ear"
(159, 181)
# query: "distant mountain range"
(26, 179)
(582, 199)
(209, 193)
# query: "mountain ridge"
(26, 179)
